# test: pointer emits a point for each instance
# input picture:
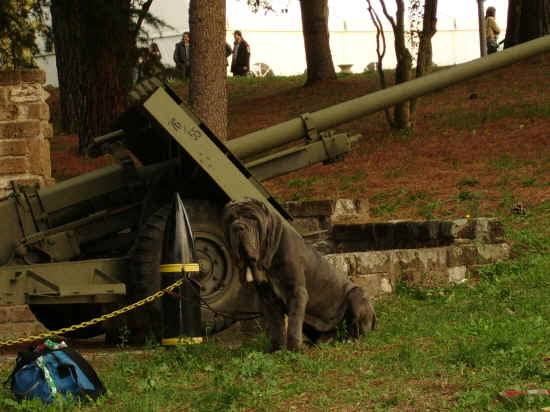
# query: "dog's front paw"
(294, 345)
(275, 348)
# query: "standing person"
(139, 69)
(492, 30)
(182, 58)
(240, 63)
(228, 52)
(155, 51)
(151, 61)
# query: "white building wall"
(284, 51)
(46, 62)
(277, 40)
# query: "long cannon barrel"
(275, 136)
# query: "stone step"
(380, 271)
(314, 215)
(414, 234)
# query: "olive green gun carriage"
(70, 248)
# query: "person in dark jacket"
(149, 62)
(240, 63)
(182, 58)
(228, 52)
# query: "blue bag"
(42, 374)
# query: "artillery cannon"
(92, 239)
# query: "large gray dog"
(292, 278)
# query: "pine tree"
(20, 22)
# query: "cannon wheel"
(220, 286)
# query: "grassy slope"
(449, 349)
(478, 147)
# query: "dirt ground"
(478, 148)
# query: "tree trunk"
(316, 41)
(66, 29)
(527, 20)
(403, 69)
(429, 23)
(95, 63)
(424, 59)
(208, 84)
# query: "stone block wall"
(18, 321)
(379, 255)
(438, 252)
(320, 215)
(25, 129)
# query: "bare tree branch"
(380, 40)
(388, 15)
(403, 113)
(144, 10)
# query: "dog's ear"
(227, 218)
(271, 232)
(360, 316)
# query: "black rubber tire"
(224, 294)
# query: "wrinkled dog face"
(248, 230)
(244, 240)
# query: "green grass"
(245, 88)
(466, 195)
(467, 181)
(347, 182)
(453, 349)
(428, 210)
(394, 172)
(302, 187)
(384, 204)
(506, 162)
(528, 182)
(467, 120)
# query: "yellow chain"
(95, 320)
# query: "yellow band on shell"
(182, 340)
(180, 267)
